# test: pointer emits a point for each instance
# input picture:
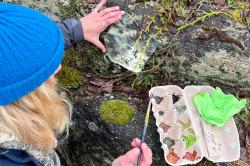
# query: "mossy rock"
(71, 56)
(69, 77)
(116, 112)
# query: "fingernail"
(137, 151)
(122, 12)
(137, 139)
(117, 7)
(144, 146)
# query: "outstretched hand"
(97, 21)
(130, 158)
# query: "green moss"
(69, 10)
(144, 80)
(116, 112)
(71, 57)
(94, 60)
(69, 77)
(244, 116)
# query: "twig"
(155, 68)
(110, 77)
(191, 14)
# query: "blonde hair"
(39, 117)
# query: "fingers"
(100, 45)
(114, 20)
(100, 5)
(108, 10)
(128, 159)
(131, 156)
(136, 143)
(146, 159)
(113, 14)
(147, 155)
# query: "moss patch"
(116, 112)
(69, 77)
(71, 56)
(244, 116)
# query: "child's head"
(31, 50)
(37, 117)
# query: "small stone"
(106, 95)
(88, 75)
(92, 126)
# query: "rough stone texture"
(49, 7)
(216, 52)
(93, 142)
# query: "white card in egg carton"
(186, 138)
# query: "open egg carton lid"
(186, 138)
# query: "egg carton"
(186, 138)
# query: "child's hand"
(130, 158)
(97, 21)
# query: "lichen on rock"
(48, 7)
(117, 112)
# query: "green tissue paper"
(217, 108)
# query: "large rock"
(215, 51)
(49, 7)
(95, 143)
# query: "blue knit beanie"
(31, 49)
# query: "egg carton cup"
(186, 138)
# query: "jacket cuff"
(78, 32)
(77, 29)
(72, 29)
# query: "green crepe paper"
(218, 107)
